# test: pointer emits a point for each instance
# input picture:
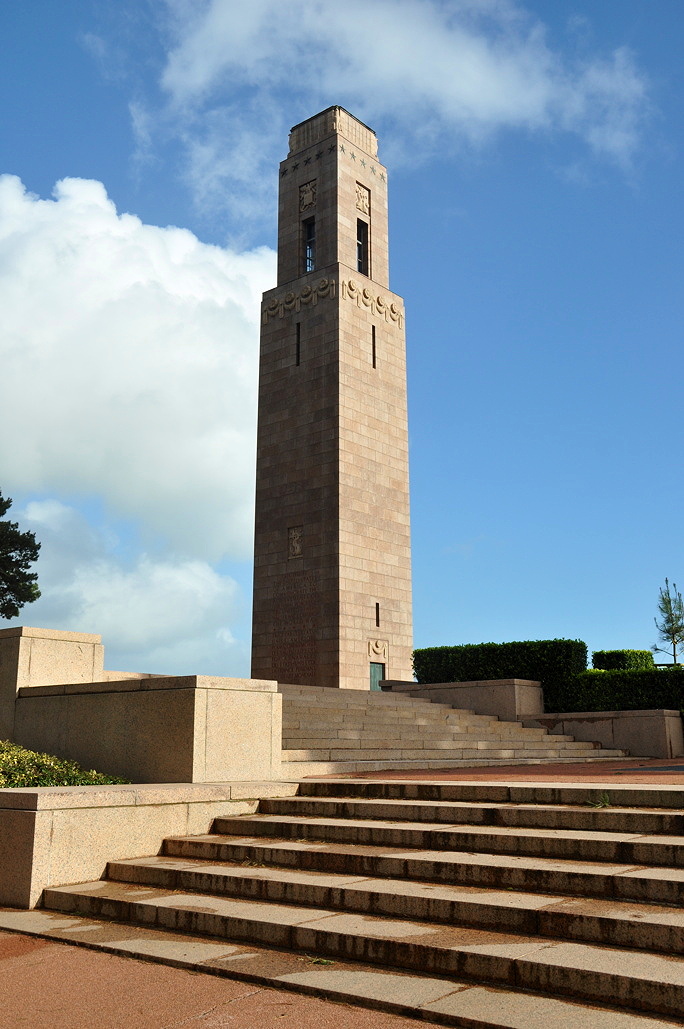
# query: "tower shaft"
(332, 574)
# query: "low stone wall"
(190, 728)
(54, 836)
(642, 733)
(512, 700)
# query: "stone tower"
(332, 569)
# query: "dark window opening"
(298, 344)
(362, 246)
(309, 234)
(373, 345)
(377, 614)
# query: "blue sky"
(535, 156)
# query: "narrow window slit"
(377, 615)
(373, 346)
(298, 344)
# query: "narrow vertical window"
(298, 344)
(362, 246)
(377, 614)
(373, 345)
(309, 236)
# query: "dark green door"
(377, 672)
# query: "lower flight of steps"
(469, 904)
(326, 731)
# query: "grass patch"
(21, 767)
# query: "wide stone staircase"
(469, 904)
(328, 731)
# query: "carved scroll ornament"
(378, 650)
(391, 312)
(278, 307)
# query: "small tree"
(18, 551)
(671, 625)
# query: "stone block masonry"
(332, 573)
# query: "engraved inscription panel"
(295, 617)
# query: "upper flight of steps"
(466, 904)
(330, 730)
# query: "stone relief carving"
(391, 312)
(378, 650)
(307, 196)
(294, 541)
(362, 199)
(278, 307)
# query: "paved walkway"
(46, 985)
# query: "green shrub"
(623, 690)
(636, 660)
(21, 767)
(554, 663)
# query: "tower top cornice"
(333, 120)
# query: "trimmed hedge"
(21, 767)
(554, 663)
(636, 660)
(624, 690)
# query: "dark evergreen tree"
(671, 625)
(18, 551)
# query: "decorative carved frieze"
(307, 196)
(278, 307)
(378, 650)
(378, 305)
(362, 199)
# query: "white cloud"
(458, 71)
(154, 614)
(129, 367)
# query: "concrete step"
(303, 769)
(503, 871)
(444, 1001)
(625, 978)
(590, 794)
(442, 756)
(615, 923)
(539, 816)
(573, 844)
(434, 740)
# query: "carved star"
(382, 176)
(307, 160)
(372, 169)
(295, 166)
(319, 155)
(283, 172)
(342, 148)
(353, 156)
(363, 163)
(333, 146)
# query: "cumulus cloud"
(159, 614)
(129, 368)
(434, 72)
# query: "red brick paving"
(46, 985)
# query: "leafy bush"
(21, 767)
(554, 663)
(608, 660)
(623, 690)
